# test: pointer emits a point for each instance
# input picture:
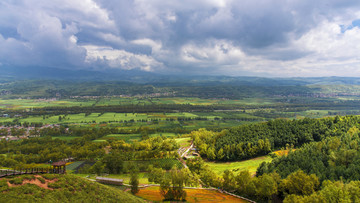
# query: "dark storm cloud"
(210, 36)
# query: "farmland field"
(192, 195)
(125, 137)
(65, 137)
(38, 103)
(251, 165)
(106, 117)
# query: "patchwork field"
(106, 117)
(192, 195)
(251, 165)
(38, 103)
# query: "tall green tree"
(134, 182)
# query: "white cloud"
(120, 59)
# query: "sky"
(269, 38)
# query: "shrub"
(54, 185)
(28, 177)
(49, 176)
(3, 185)
(16, 181)
(41, 179)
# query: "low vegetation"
(64, 188)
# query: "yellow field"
(282, 152)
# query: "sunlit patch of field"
(283, 152)
(251, 165)
(183, 142)
(39, 103)
(192, 195)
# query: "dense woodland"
(324, 168)
(247, 141)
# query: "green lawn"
(250, 165)
(183, 142)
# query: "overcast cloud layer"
(284, 38)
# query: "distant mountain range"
(141, 77)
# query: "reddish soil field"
(192, 195)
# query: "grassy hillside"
(59, 188)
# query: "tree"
(266, 186)
(300, 183)
(172, 183)
(229, 180)
(134, 182)
(156, 175)
(220, 155)
(211, 153)
(97, 168)
(243, 179)
(196, 164)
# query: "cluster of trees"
(41, 150)
(247, 141)
(45, 148)
(334, 158)
(297, 186)
(264, 187)
(205, 142)
(172, 183)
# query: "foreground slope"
(59, 188)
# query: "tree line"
(247, 141)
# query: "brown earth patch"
(35, 182)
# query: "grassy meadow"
(251, 165)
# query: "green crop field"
(74, 165)
(106, 117)
(125, 137)
(251, 165)
(38, 103)
(64, 137)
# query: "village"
(17, 132)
